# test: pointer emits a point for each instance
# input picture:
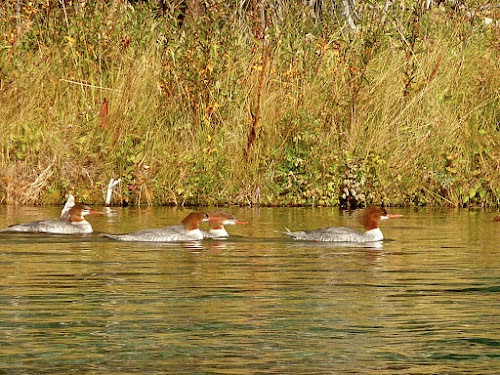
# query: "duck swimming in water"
(72, 222)
(188, 231)
(369, 218)
(216, 226)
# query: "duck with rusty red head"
(369, 218)
(188, 230)
(216, 226)
(72, 222)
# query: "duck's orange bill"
(393, 216)
(241, 222)
(96, 212)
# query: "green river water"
(426, 301)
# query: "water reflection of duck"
(72, 222)
(369, 218)
(373, 245)
(216, 226)
(187, 231)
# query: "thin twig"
(87, 85)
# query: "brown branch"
(255, 116)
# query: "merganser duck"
(216, 226)
(72, 222)
(188, 231)
(369, 218)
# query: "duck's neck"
(373, 235)
(76, 218)
(218, 232)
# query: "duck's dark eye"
(206, 216)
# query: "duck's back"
(168, 234)
(336, 234)
(52, 227)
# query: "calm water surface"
(424, 302)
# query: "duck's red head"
(79, 210)
(222, 218)
(194, 219)
(371, 216)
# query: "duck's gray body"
(52, 227)
(169, 234)
(337, 234)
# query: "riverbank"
(241, 106)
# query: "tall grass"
(249, 107)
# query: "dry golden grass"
(213, 114)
